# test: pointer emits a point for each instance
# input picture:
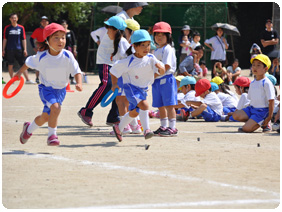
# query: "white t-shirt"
(105, 50)
(123, 15)
(190, 96)
(213, 102)
(218, 45)
(166, 54)
(230, 69)
(193, 45)
(98, 34)
(243, 101)
(227, 100)
(54, 70)
(122, 47)
(260, 92)
(136, 71)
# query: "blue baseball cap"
(214, 86)
(271, 78)
(188, 80)
(140, 35)
(116, 22)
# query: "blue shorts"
(257, 114)
(164, 91)
(134, 95)
(50, 96)
(209, 115)
(227, 110)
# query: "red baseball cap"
(201, 86)
(51, 29)
(242, 82)
(162, 27)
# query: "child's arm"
(161, 69)
(270, 112)
(114, 82)
(78, 80)
(194, 103)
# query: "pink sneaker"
(53, 141)
(25, 135)
(135, 129)
(127, 130)
(117, 132)
(148, 134)
(151, 114)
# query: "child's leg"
(250, 126)
(171, 116)
(122, 104)
(163, 117)
(53, 118)
(127, 118)
(199, 110)
(144, 114)
(240, 115)
(38, 121)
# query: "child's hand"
(78, 87)
(114, 86)
(160, 68)
(18, 74)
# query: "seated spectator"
(233, 72)
(220, 71)
(275, 70)
(204, 67)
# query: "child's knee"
(55, 108)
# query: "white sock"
(52, 131)
(125, 121)
(32, 127)
(164, 122)
(172, 123)
(134, 122)
(144, 118)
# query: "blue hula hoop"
(105, 103)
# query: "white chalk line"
(110, 166)
(187, 204)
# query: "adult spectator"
(131, 9)
(218, 46)
(14, 45)
(98, 34)
(190, 65)
(269, 38)
(38, 36)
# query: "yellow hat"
(262, 58)
(217, 80)
(179, 78)
(132, 24)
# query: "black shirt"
(266, 35)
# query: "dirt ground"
(208, 165)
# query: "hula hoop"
(7, 86)
(105, 103)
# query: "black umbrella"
(228, 29)
(112, 9)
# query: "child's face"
(258, 68)
(161, 39)
(111, 33)
(185, 89)
(203, 66)
(143, 49)
(197, 39)
(185, 38)
(57, 41)
(235, 65)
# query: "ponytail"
(129, 50)
(117, 39)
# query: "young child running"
(210, 107)
(138, 71)
(55, 64)
(261, 94)
(164, 89)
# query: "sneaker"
(37, 81)
(267, 128)
(148, 134)
(275, 126)
(53, 141)
(184, 114)
(135, 129)
(157, 132)
(169, 132)
(25, 135)
(112, 123)
(117, 132)
(85, 119)
(127, 130)
(30, 82)
(151, 114)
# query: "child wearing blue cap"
(187, 85)
(111, 48)
(138, 71)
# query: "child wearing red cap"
(164, 89)
(55, 64)
(261, 94)
(210, 107)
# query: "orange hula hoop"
(17, 90)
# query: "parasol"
(112, 9)
(228, 29)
